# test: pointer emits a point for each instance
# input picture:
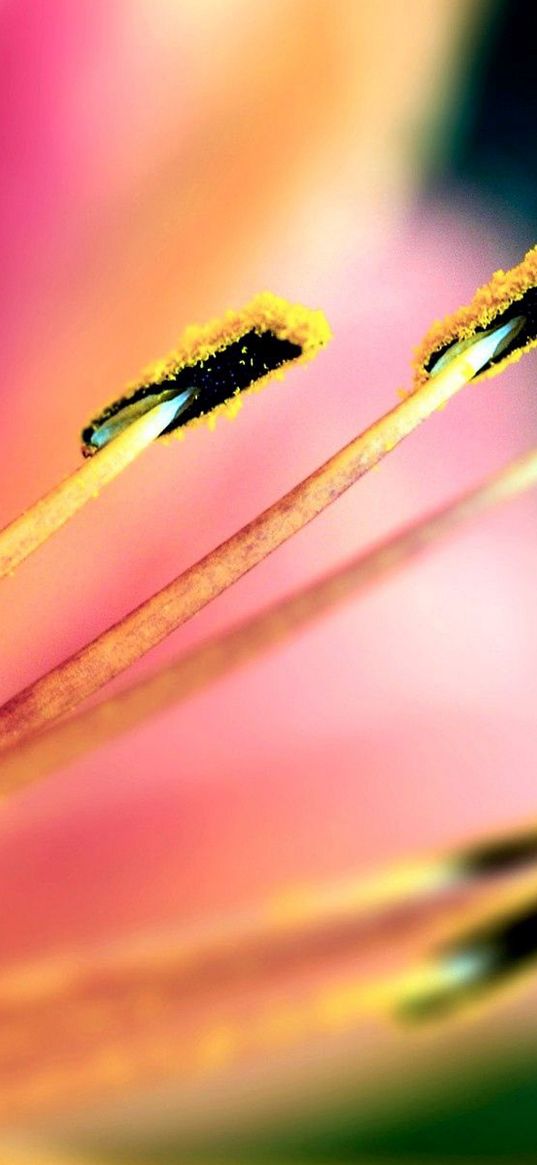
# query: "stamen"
(482, 959)
(509, 299)
(224, 360)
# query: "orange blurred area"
(162, 163)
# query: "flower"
(170, 160)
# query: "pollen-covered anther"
(503, 311)
(217, 364)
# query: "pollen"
(218, 364)
(510, 298)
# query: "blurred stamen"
(212, 368)
(470, 967)
(111, 653)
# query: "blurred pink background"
(162, 162)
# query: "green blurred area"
(490, 1118)
(486, 151)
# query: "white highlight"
(159, 416)
(480, 349)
